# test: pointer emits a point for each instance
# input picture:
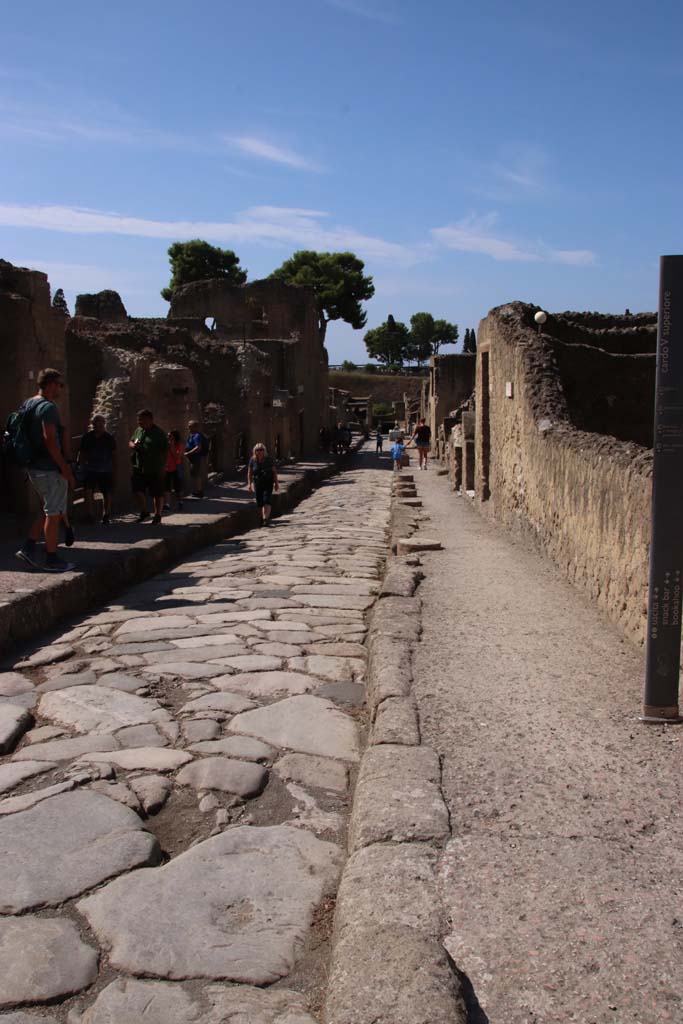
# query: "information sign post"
(663, 647)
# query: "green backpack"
(17, 445)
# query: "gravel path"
(563, 879)
(175, 786)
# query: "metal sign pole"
(663, 647)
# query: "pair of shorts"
(52, 488)
(195, 468)
(263, 497)
(423, 444)
(142, 482)
(102, 482)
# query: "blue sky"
(470, 153)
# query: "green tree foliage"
(445, 333)
(199, 261)
(348, 367)
(427, 335)
(421, 337)
(470, 341)
(337, 280)
(59, 302)
(388, 343)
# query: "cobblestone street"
(175, 779)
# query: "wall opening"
(485, 428)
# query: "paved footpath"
(175, 781)
(563, 877)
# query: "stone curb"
(389, 965)
(25, 617)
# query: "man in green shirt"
(149, 447)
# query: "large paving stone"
(14, 721)
(314, 772)
(12, 774)
(398, 797)
(334, 669)
(336, 601)
(152, 791)
(97, 709)
(224, 774)
(12, 683)
(236, 907)
(244, 747)
(129, 1001)
(41, 959)
(65, 750)
(24, 802)
(251, 663)
(183, 670)
(66, 845)
(153, 759)
(140, 736)
(47, 656)
(231, 703)
(153, 623)
(266, 684)
(310, 725)
(64, 679)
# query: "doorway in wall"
(485, 428)
(301, 432)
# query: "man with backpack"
(197, 450)
(34, 440)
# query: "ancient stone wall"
(450, 383)
(31, 338)
(584, 497)
(280, 320)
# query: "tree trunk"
(322, 327)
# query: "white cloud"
(267, 225)
(473, 234)
(268, 151)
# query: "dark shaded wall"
(31, 338)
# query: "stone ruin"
(246, 361)
(555, 442)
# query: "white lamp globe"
(540, 317)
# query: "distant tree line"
(394, 344)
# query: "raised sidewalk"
(114, 557)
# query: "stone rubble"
(184, 790)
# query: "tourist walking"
(197, 450)
(379, 440)
(149, 447)
(422, 440)
(48, 471)
(96, 457)
(174, 470)
(262, 480)
(397, 451)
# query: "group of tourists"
(338, 439)
(34, 440)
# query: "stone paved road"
(175, 779)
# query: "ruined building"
(556, 444)
(246, 361)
